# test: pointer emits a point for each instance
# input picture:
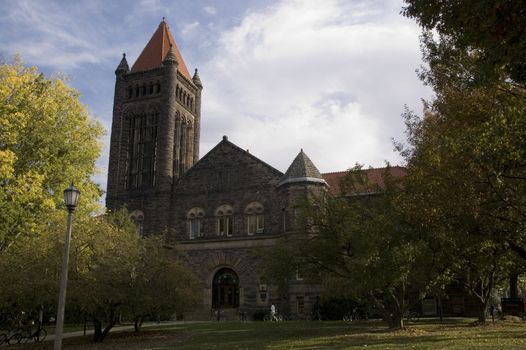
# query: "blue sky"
(331, 77)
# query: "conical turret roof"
(123, 65)
(302, 169)
(154, 53)
(197, 80)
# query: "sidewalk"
(115, 329)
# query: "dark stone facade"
(221, 211)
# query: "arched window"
(255, 219)
(151, 88)
(130, 92)
(137, 217)
(158, 87)
(224, 220)
(195, 222)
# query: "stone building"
(219, 210)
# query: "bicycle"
(37, 336)
(26, 335)
(3, 338)
(352, 316)
(273, 318)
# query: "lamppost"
(71, 199)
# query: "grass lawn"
(453, 334)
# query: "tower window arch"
(158, 87)
(141, 161)
(255, 218)
(224, 220)
(194, 219)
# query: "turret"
(302, 181)
(197, 123)
(122, 68)
(167, 130)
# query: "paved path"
(119, 329)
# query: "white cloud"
(48, 35)
(328, 77)
(209, 10)
(189, 29)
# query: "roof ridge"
(371, 168)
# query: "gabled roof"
(155, 51)
(375, 176)
(302, 169)
(226, 146)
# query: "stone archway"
(225, 289)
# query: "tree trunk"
(108, 327)
(100, 334)
(137, 324)
(482, 312)
(514, 284)
(396, 322)
(97, 335)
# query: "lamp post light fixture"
(71, 199)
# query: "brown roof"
(155, 51)
(374, 175)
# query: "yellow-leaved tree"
(47, 141)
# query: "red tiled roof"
(155, 51)
(375, 176)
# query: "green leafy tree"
(492, 30)
(362, 247)
(47, 141)
(161, 285)
(102, 267)
(468, 151)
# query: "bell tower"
(155, 129)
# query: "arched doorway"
(225, 289)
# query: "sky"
(330, 77)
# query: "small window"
(151, 88)
(224, 220)
(195, 222)
(158, 87)
(255, 218)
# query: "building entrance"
(225, 289)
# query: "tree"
(364, 248)
(112, 273)
(161, 285)
(492, 30)
(467, 153)
(102, 267)
(465, 169)
(47, 141)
